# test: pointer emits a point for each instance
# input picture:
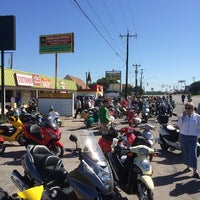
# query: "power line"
(101, 22)
(77, 5)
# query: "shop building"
(24, 85)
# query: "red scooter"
(45, 132)
(126, 135)
(2, 146)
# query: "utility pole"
(141, 82)
(127, 51)
(136, 80)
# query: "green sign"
(57, 43)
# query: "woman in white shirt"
(189, 124)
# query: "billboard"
(56, 43)
(114, 75)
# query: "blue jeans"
(189, 150)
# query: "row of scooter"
(26, 128)
(45, 177)
(119, 159)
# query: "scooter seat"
(53, 171)
(35, 131)
(39, 152)
(40, 149)
(170, 127)
(8, 128)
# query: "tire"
(144, 193)
(198, 151)
(164, 147)
(2, 148)
(57, 150)
(21, 140)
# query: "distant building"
(94, 89)
(79, 83)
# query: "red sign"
(23, 79)
(36, 79)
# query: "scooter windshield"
(90, 147)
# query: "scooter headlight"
(105, 177)
(145, 164)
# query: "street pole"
(127, 53)
(141, 82)
(136, 81)
(2, 83)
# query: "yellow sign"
(55, 95)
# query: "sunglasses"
(188, 108)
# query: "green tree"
(195, 88)
(106, 82)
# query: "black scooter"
(91, 180)
(169, 135)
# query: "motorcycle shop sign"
(56, 43)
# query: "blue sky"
(167, 45)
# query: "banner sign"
(36, 79)
(114, 75)
(56, 43)
(55, 95)
(24, 80)
(46, 83)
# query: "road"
(170, 182)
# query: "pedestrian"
(18, 101)
(12, 101)
(104, 116)
(183, 98)
(78, 107)
(189, 124)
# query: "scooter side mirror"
(73, 138)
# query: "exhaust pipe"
(18, 180)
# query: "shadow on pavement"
(191, 187)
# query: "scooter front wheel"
(2, 148)
(21, 140)
(144, 193)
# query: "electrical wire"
(77, 5)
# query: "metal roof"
(9, 80)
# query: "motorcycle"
(12, 131)
(55, 116)
(93, 178)
(2, 146)
(169, 135)
(92, 118)
(131, 169)
(128, 134)
(45, 132)
(45, 172)
(145, 112)
(146, 133)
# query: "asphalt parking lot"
(170, 182)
